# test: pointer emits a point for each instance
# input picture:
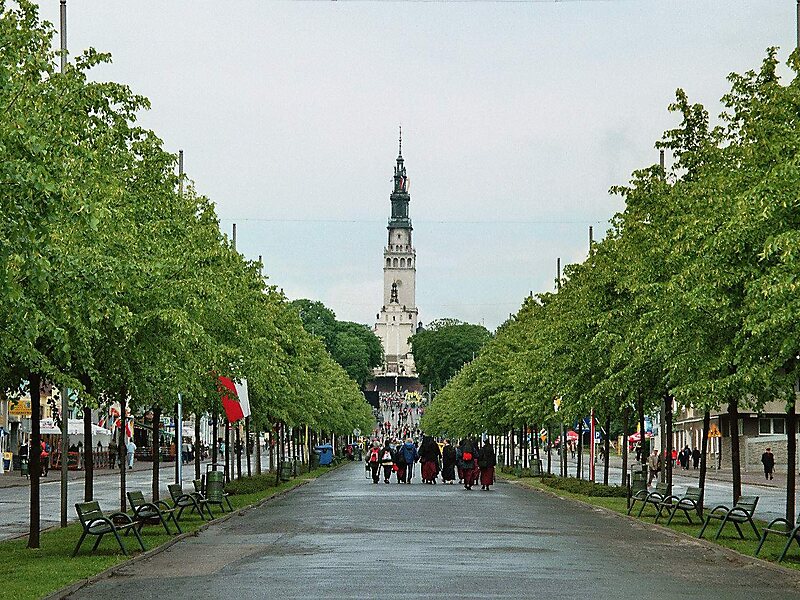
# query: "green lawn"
(30, 574)
(729, 538)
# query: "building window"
(394, 262)
(402, 263)
(770, 426)
(388, 262)
(409, 263)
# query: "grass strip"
(729, 538)
(31, 574)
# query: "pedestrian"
(685, 456)
(468, 463)
(429, 455)
(768, 460)
(449, 460)
(44, 459)
(400, 465)
(654, 466)
(410, 455)
(387, 461)
(638, 451)
(374, 460)
(487, 459)
(79, 449)
(695, 458)
(131, 448)
(112, 453)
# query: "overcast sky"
(517, 118)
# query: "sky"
(517, 118)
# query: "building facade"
(397, 320)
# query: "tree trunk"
(626, 413)
(579, 461)
(258, 450)
(214, 437)
(123, 450)
(791, 460)
(607, 447)
(156, 451)
(88, 455)
(34, 457)
(668, 433)
(197, 474)
(247, 444)
(238, 449)
(227, 451)
(703, 461)
(549, 448)
(272, 448)
(733, 427)
(643, 438)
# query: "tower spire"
(400, 153)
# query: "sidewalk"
(14, 479)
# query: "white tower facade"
(397, 320)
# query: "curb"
(67, 591)
(663, 529)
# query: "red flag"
(230, 400)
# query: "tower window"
(398, 236)
(388, 262)
(394, 262)
(403, 263)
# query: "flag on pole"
(244, 397)
(235, 399)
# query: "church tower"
(398, 317)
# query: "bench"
(94, 522)
(646, 497)
(214, 494)
(742, 512)
(182, 501)
(149, 513)
(784, 531)
(690, 501)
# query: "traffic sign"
(714, 432)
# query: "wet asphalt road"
(343, 537)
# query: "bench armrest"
(146, 506)
(121, 515)
(779, 520)
(668, 499)
(98, 521)
(740, 511)
(163, 505)
(718, 507)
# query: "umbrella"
(75, 427)
(48, 427)
(636, 437)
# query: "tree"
(444, 347)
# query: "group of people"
(469, 461)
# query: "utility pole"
(64, 390)
(179, 406)
(591, 413)
(563, 445)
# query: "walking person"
(449, 460)
(387, 461)
(374, 460)
(768, 460)
(400, 464)
(112, 453)
(410, 455)
(131, 447)
(654, 466)
(468, 463)
(696, 458)
(429, 456)
(487, 460)
(686, 455)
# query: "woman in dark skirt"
(400, 464)
(487, 461)
(429, 455)
(449, 460)
(468, 463)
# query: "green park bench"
(742, 512)
(181, 501)
(214, 493)
(645, 497)
(151, 513)
(690, 501)
(792, 534)
(94, 522)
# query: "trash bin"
(325, 454)
(23, 467)
(536, 468)
(314, 460)
(215, 485)
(638, 478)
(286, 470)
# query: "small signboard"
(22, 408)
(714, 432)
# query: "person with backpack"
(468, 463)
(410, 455)
(374, 460)
(387, 461)
(486, 462)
